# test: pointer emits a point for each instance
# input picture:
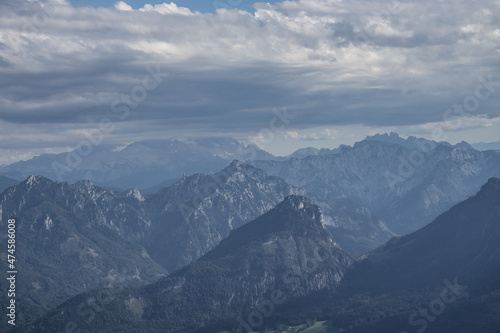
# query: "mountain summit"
(72, 238)
(141, 164)
(295, 214)
(283, 255)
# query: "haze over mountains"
(260, 260)
(463, 242)
(96, 229)
(73, 238)
(6, 182)
(240, 224)
(284, 267)
(407, 183)
(486, 146)
(147, 164)
(203, 166)
(141, 164)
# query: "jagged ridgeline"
(235, 251)
(406, 183)
(283, 255)
(73, 238)
(81, 237)
(284, 269)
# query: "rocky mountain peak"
(34, 182)
(237, 165)
(490, 190)
(135, 193)
(493, 184)
(301, 212)
(295, 216)
(85, 183)
(297, 202)
(237, 170)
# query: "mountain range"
(232, 238)
(284, 254)
(113, 238)
(70, 238)
(147, 164)
(6, 182)
(284, 267)
(406, 184)
(486, 145)
(141, 164)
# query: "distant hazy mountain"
(6, 182)
(410, 143)
(483, 146)
(463, 242)
(193, 215)
(413, 142)
(283, 255)
(156, 188)
(354, 227)
(283, 269)
(196, 213)
(406, 187)
(310, 151)
(71, 238)
(141, 164)
(444, 277)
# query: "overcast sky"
(338, 70)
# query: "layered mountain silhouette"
(83, 237)
(141, 164)
(386, 174)
(71, 238)
(407, 183)
(247, 250)
(6, 182)
(193, 215)
(462, 242)
(283, 255)
(284, 267)
(444, 277)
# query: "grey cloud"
(329, 62)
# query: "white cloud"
(325, 134)
(120, 5)
(166, 9)
(458, 124)
(292, 135)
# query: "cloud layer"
(331, 62)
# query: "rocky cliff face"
(130, 238)
(406, 187)
(193, 215)
(283, 255)
(71, 238)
